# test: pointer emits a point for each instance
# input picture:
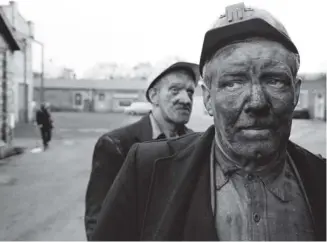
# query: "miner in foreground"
(243, 179)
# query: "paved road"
(42, 194)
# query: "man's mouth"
(256, 128)
(256, 132)
(185, 109)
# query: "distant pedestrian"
(44, 122)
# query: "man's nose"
(184, 97)
(257, 103)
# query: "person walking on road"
(45, 124)
(171, 94)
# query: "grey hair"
(210, 72)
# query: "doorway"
(319, 110)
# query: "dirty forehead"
(177, 78)
(252, 50)
(254, 55)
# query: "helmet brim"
(220, 37)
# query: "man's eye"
(274, 82)
(174, 90)
(230, 86)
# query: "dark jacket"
(163, 192)
(109, 154)
(43, 117)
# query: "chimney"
(31, 29)
(13, 6)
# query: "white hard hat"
(158, 74)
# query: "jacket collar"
(143, 129)
(312, 172)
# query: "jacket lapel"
(170, 194)
(199, 222)
(312, 171)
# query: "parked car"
(301, 113)
(138, 108)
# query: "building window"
(125, 103)
(303, 99)
(78, 99)
(101, 97)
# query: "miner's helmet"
(240, 22)
(192, 68)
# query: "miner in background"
(171, 94)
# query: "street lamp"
(42, 69)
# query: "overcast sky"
(79, 33)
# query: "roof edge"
(8, 32)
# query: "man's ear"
(297, 88)
(206, 98)
(154, 96)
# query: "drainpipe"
(4, 110)
(25, 84)
(42, 74)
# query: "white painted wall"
(23, 30)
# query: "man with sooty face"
(243, 179)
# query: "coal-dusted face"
(252, 98)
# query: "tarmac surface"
(42, 193)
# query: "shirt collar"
(278, 181)
(156, 131)
(281, 183)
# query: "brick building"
(91, 95)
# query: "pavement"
(42, 193)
